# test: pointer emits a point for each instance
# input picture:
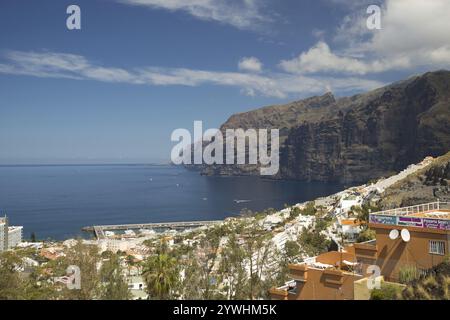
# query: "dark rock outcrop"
(354, 139)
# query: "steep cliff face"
(357, 138)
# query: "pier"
(99, 231)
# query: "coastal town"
(217, 159)
(276, 254)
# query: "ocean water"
(57, 201)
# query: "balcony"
(298, 272)
(335, 277)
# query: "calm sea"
(57, 201)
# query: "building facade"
(329, 276)
(417, 236)
(10, 237)
(3, 234)
(14, 236)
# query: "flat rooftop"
(433, 215)
(436, 214)
(438, 210)
(13, 228)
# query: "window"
(437, 247)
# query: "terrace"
(421, 209)
(433, 215)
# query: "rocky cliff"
(354, 139)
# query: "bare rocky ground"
(426, 185)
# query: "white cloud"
(320, 59)
(412, 25)
(251, 64)
(279, 85)
(242, 14)
(414, 34)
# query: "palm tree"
(161, 275)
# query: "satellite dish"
(405, 235)
(393, 234)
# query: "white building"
(350, 228)
(136, 285)
(14, 236)
(3, 234)
(10, 237)
(115, 245)
(346, 202)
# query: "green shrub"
(408, 274)
(310, 209)
(386, 292)
(366, 235)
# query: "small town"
(339, 247)
(222, 159)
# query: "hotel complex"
(10, 236)
(416, 236)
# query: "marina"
(100, 231)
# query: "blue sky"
(138, 69)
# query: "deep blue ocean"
(57, 201)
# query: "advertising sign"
(410, 221)
(436, 224)
(383, 219)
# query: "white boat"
(241, 201)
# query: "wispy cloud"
(279, 85)
(242, 14)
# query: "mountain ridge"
(357, 138)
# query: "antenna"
(405, 235)
(393, 234)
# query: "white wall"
(14, 236)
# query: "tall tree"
(190, 285)
(114, 284)
(161, 275)
(258, 248)
(87, 258)
(11, 285)
(207, 259)
(232, 268)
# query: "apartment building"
(412, 236)
(14, 236)
(416, 236)
(3, 234)
(10, 236)
(329, 276)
